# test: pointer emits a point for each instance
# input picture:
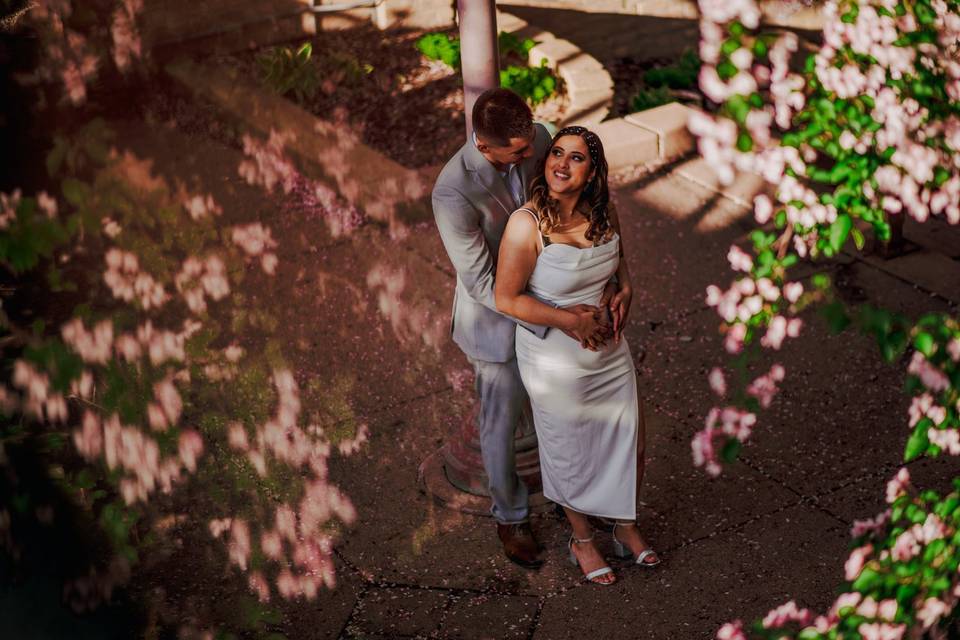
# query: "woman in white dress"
(562, 247)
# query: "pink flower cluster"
(780, 328)
(123, 30)
(94, 346)
(898, 485)
(68, 56)
(718, 383)
(10, 202)
(881, 631)
(200, 207)
(748, 297)
(87, 593)
(312, 197)
(943, 433)
(733, 423)
(857, 560)
(349, 446)
(930, 375)
(281, 436)
(870, 525)
(8, 207)
(410, 322)
(811, 213)
(110, 227)
(923, 406)
(723, 11)
(40, 401)
(200, 278)
(764, 388)
(911, 542)
(137, 454)
(160, 345)
(299, 542)
(881, 613)
(947, 439)
(732, 631)
(931, 611)
(786, 613)
(266, 165)
(256, 241)
(907, 127)
(718, 136)
(164, 410)
(127, 282)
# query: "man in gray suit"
(478, 189)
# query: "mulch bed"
(627, 75)
(400, 103)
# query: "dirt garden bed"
(399, 102)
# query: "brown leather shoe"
(519, 544)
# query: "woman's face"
(568, 167)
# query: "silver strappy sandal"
(623, 551)
(596, 573)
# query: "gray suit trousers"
(503, 401)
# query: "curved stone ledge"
(589, 86)
(653, 136)
(780, 13)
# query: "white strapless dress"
(584, 402)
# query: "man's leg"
(501, 396)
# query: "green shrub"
(511, 44)
(446, 48)
(650, 98)
(440, 46)
(287, 71)
(534, 84)
(682, 75)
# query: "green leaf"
(917, 443)
(839, 231)
(820, 281)
(730, 451)
(836, 316)
(866, 581)
(74, 191)
(924, 343)
(858, 240)
(726, 70)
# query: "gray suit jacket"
(471, 206)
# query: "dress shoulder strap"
(536, 219)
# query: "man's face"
(516, 150)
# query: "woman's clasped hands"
(590, 326)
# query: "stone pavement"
(370, 322)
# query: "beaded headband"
(592, 140)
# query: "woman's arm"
(518, 257)
(620, 303)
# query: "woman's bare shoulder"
(523, 226)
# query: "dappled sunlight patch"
(411, 321)
(166, 373)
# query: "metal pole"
(479, 58)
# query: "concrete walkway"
(370, 326)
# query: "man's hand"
(593, 327)
(608, 292)
(620, 308)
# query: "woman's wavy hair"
(595, 198)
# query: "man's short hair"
(499, 115)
